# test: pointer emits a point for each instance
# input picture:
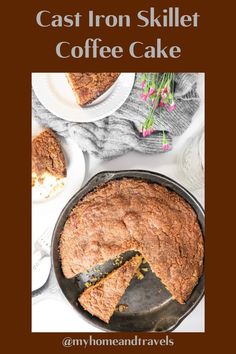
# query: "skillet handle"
(49, 289)
(167, 324)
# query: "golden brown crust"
(132, 214)
(47, 155)
(102, 298)
(89, 86)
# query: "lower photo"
(118, 221)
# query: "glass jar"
(191, 161)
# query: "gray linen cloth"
(119, 133)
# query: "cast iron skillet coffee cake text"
(89, 86)
(132, 214)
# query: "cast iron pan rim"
(113, 174)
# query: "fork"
(41, 248)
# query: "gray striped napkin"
(114, 136)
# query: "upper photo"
(118, 221)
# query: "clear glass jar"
(191, 161)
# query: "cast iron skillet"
(150, 305)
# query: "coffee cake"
(131, 214)
(89, 86)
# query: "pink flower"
(147, 132)
(144, 96)
(143, 83)
(163, 95)
(166, 147)
(172, 107)
(151, 91)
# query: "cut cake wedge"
(89, 86)
(102, 298)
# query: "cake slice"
(89, 86)
(48, 163)
(102, 298)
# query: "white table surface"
(56, 315)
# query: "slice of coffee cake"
(102, 298)
(48, 164)
(89, 86)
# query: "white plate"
(55, 93)
(75, 165)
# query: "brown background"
(26, 48)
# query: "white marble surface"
(52, 315)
